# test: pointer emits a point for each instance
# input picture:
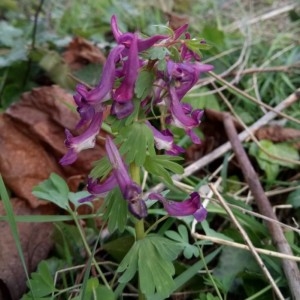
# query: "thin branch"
(290, 268)
(205, 160)
(252, 213)
(245, 247)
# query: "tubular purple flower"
(124, 38)
(125, 91)
(86, 113)
(179, 31)
(185, 75)
(165, 140)
(122, 110)
(104, 88)
(130, 190)
(99, 189)
(85, 110)
(84, 141)
(115, 28)
(182, 120)
(190, 206)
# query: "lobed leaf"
(160, 165)
(101, 168)
(137, 139)
(152, 257)
(144, 83)
(115, 211)
(54, 190)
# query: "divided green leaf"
(137, 140)
(75, 197)
(42, 281)
(157, 53)
(144, 83)
(196, 45)
(152, 257)
(54, 190)
(101, 168)
(115, 211)
(182, 238)
(160, 165)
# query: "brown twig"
(290, 268)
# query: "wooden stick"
(290, 268)
(242, 246)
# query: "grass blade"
(13, 226)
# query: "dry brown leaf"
(46, 112)
(279, 134)
(36, 243)
(23, 162)
(81, 52)
(48, 102)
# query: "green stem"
(88, 250)
(139, 229)
(139, 225)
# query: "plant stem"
(139, 225)
(88, 250)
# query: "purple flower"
(190, 206)
(122, 110)
(84, 141)
(164, 140)
(126, 38)
(99, 189)
(129, 189)
(185, 75)
(103, 90)
(179, 31)
(125, 91)
(119, 177)
(181, 119)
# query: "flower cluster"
(173, 76)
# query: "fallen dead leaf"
(44, 113)
(279, 134)
(81, 52)
(24, 163)
(36, 243)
